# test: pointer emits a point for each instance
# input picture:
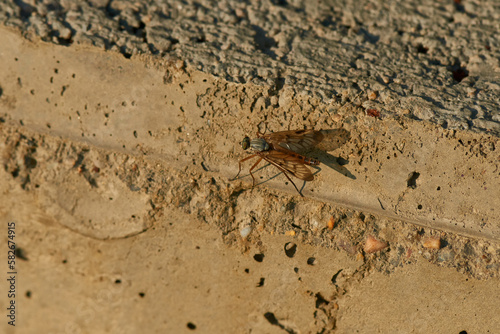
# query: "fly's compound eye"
(245, 143)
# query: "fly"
(280, 150)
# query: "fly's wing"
(295, 140)
(289, 163)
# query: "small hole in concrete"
(258, 257)
(290, 249)
(261, 282)
(412, 180)
(422, 49)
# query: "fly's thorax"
(259, 145)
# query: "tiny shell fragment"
(331, 223)
(432, 243)
(245, 231)
(315, 224)
(373, 245)
(290, 233)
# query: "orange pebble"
(331, 223)
(373, 245)
(432, 243)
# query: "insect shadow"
(333, 139)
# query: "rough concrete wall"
(428, 60)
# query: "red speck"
(373, 112)
(96, 169)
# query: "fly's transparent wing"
(295, 140)
(292, 164)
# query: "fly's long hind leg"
(251, 169)
(239, 165)
(284, 172)
(289, 179)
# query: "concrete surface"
(117, 169)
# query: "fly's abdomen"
(311, 161)
(305, 160)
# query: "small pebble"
(432, 243)
(373, 245)
(245, 231)
(331, 223)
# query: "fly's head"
(245, 143)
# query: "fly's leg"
(288, 177)
(260, 134)
(239, 165)
(251, 169)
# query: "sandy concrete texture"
(182, 274)
(121, 125)
(394, 167)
